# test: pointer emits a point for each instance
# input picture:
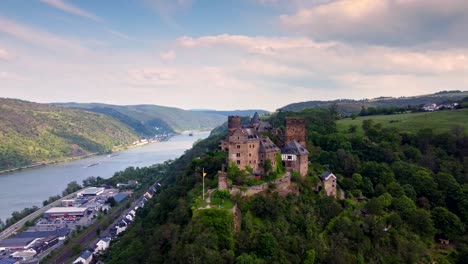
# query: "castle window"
(250, 154)
(238, 155)
(250, 162)
(238, 162)
(238, 146)
(289, 157)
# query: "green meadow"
(439, 121)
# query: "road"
(18, 225)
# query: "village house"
(85, 258)
(102, 245)
(248, 147)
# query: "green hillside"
(349, 106)
(155, 119)
(403, 193)
(32, 132)
(440, 121)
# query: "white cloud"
(69, 8)
(10, 76)
(37, 36)
(384, 22)
(332, 57)
(168, 56)
(4, 55)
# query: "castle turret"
(295, 130)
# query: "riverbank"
(45, 163)
(69, 159)
(27, 188)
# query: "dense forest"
(405, 194)
(146, 119)
(31, 132)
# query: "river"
(31, 187)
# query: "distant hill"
(349, 106)
(249, 112)
(32, 132)
(148, 120)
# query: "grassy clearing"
(440, 121)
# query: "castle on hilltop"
(248, 146)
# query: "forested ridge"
(404, 192)
(32, 132)
(350, 106)
(145, 118)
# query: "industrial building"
(120, 197)
(16, 243)
(91, 192)
(68, 202)
(59, 212)
(60, 233)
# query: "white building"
(85, 258)
(102, 245)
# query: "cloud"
(4, 55)
(69, 8)
(10, 76)
(332, 69)
(38, 37)
(385, 22)
(168, 56)
(332, 57)
(167, 9)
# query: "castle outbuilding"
(329, 183)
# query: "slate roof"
(106, 239)
(266, 145)
(16, 242)
(255, 118)
(120, 197)
(8, 261)
(86, 254)
(41, 234)
(325, 175)
(295, 148)
(264, 127)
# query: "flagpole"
(203, 176)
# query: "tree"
(267, 246)
(71, 188)
(447, 222)
(111, 201)
(310, 257)
(420, 221)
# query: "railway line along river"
(30, 187)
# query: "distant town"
(51, 227)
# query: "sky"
(226, 55)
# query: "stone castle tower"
(234, 122)
(295, 130)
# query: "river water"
(30, 187)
